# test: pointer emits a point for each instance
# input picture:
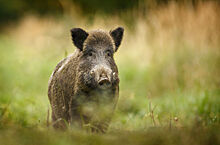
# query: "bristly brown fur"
(100, 38)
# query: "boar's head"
(97, 68)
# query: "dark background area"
(13, 10)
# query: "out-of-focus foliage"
(12, 10)
(110, 7)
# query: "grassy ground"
(169, 78)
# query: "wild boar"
(84, 87)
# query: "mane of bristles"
(99, 37)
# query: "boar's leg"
(59, 123)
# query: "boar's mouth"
(104, 83)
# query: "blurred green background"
(169, 67)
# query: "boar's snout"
(102, 75)
(104, 81)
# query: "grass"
(169, 78)
(150, 136)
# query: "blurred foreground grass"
(169, 69)
(150, 136)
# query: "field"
(169, 67)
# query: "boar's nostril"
(103, 81)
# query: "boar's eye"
(108, 53)
(90, 54)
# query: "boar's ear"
(78, 37)
(117, 35)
